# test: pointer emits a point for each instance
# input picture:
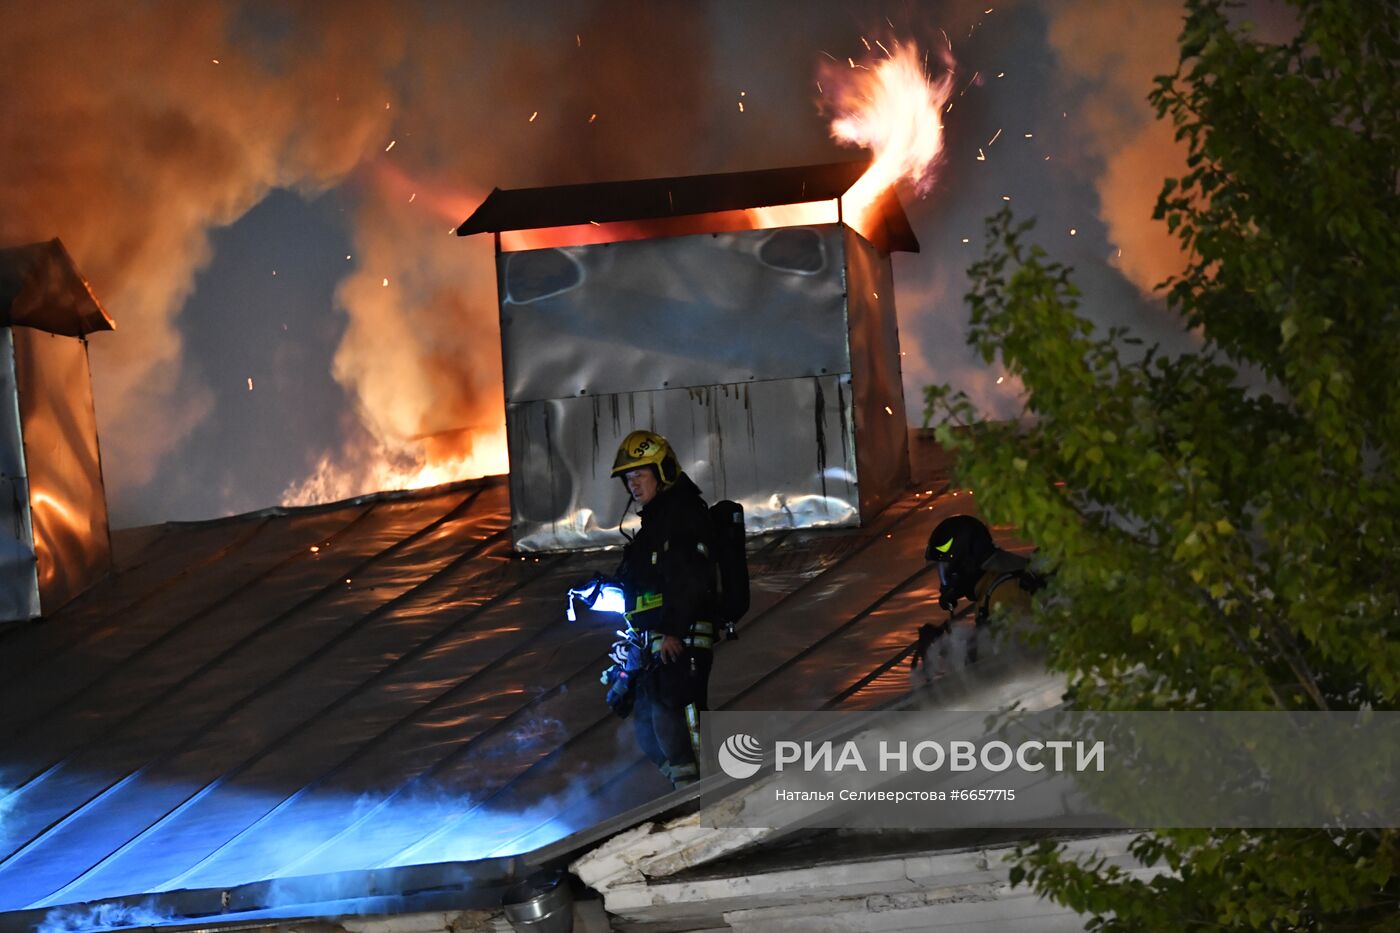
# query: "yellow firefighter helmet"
(647, 448)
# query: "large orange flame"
(418, 353)
(894, 108)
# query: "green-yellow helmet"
(647, 448)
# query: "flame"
(443, 202)
(385, 466)
(892, 107)
(419, 353)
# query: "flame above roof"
(653, 198)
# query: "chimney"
(736, 314)
(54, 540)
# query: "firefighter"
(668, 578)
(970, 566)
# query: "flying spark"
(994, 139)
(250, 383)
(392, 142)
(412, 196)
(981, 156)
(533, 115)
(386, 283)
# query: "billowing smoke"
(421, 354)
(111, 916)
(132, 129)
(1111, 53)
(135, 130)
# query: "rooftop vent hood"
(54, 539)
(736, 314)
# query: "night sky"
(211, 166)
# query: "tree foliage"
(1219, 546)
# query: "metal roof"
(381, 683)
(652, 198)
(40, 287)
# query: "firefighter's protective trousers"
(666, 716)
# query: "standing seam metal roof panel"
(244, 714)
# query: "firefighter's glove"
(946, 602)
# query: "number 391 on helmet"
(647, 449)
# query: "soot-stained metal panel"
(19, 584)
(675, 312)
(784, 449)
(882, 436)
(67, 500)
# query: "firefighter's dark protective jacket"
(666, 571)
(1003, 591)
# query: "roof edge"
(388, 495)
(649, 198)
(476, 884)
